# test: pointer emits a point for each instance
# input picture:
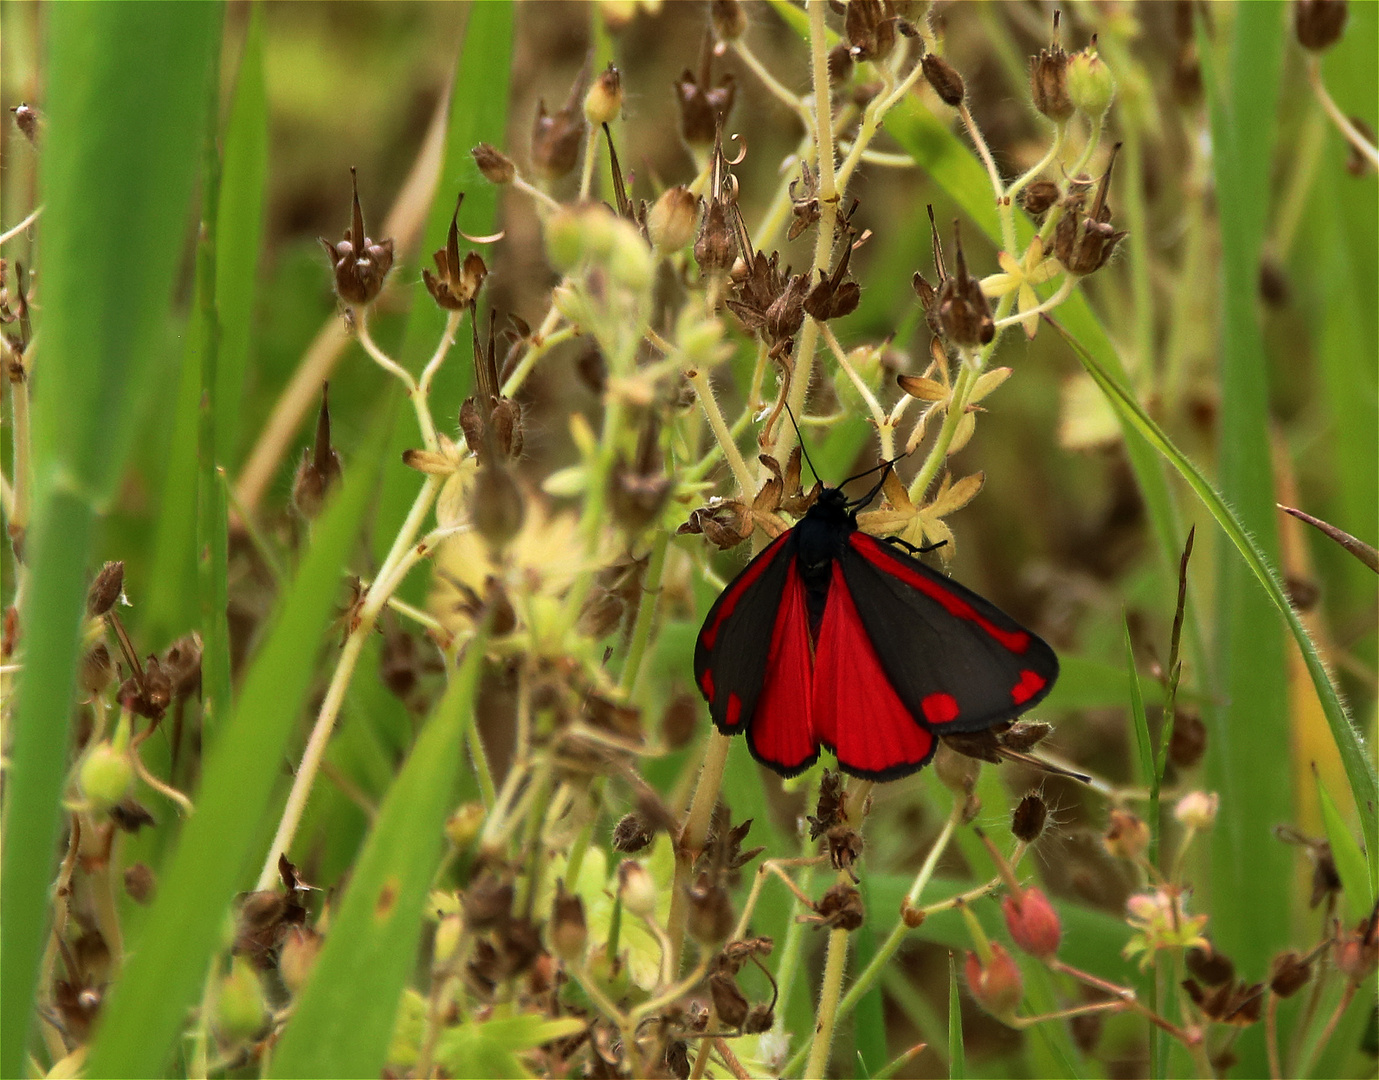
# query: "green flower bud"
(1091, 86)
(105, 777)
(239, 1003)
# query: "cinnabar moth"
(833, 637)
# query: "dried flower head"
(1084, 238)
(496, 166)
(358, 262)
(556, 138)
(963, 315)
(704, 107)
(869, 26)
(1048, 79)
(320, 467)
(1031, 813)
(456, 283)
(106, 590)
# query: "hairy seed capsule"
(495, 165)
(944, 78)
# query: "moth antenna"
(800, 435)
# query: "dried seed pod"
(495, 165)
(704, 107)
(320, 468)
(487, 903)
(869, 26)
(569, 932)
(1210, 967)
(944, 78)
(729, 19)
(631, 835)
(1319, 23)
(1289, 973)
(670, 223)
(715, 245)
(26, 120)
(1027, 822)
(1188, 743)
(556, 139)
(841, 908)
(728, 1000)
(456, 283)
(106, 589)
(963, 315)
(839, 64)
(139, 883)
(1048, 79)
(1084, 240)
(358, 262)
(1038, 196)
(97, 669)
(710, 916)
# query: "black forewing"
(734, 643)
(925, 648)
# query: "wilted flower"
(455, 283)
(1160, 921)
(963, 315)
(1127, 837)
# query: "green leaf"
(125, 100)
(1349, 859)
(489, 1049)
(957, 1056)
(1084, 683)
(1359, 771)
(167, 967)
(344, 1017)
(869, 1022)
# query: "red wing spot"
(939, 708)
(728, 602)
(734, 710)
(875, 552)
(706, 684)
(1029, 685)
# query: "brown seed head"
(358, 262)
(715, 246)
(497, 507)
(631, 835)
(1048, 79)
(869, 26)
(963, 315)
(1188, 742)
(841, 908)
(496, 166)
(710, 914)
(320, 468)
(26, 119)
(487, 903)
(1210, 967)
(944, 78)
(833, 297)
(704, 107)
(556, 139)
(456, 282)
(728, 1000)
(1037, 197)
(568, 932)
(97, 669)
(1289, 973)
(1084, 238)
(139, 882)
(1027, 823)
(106, 589)
(1319, 23)
(839, 64)
(729, 19)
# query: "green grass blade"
(1251, 668)
(166, 969)
(957, 1056)
(478, 113)
(114, 190)
(344, 1017)
(1349, 859)
(869, 1023)
(239, 232)
(1359, 771)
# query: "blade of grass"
(147, 1005)
(869, 1022)
(1144, 746)
(1349, 859)
(114, 192)
(343, 1018)
(239, 233)
(957, 1053)
(1251, 670)
(1359, 771)
(478, 113)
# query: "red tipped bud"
(1033, 923)
(996, 985)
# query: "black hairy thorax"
(820, 537)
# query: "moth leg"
(911, 548)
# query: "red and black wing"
(753, 661)
(955, 660)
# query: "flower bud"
(603, 102)
(569, 933)
(106, 590)
(448, 933)
(910, 915)
(495, 165)
(636, 888)
(944, 78)
(1027, 823)
(1319, 23)
(300, 948)
(1091, 86)
(105, 777)
(1127, 837)
(996, 985)
(462, 827)
(1033, 923)
(239, 1003)
(729, 19)
(670, 223)
(1197, 809)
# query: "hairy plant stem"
(692, 838)
(358, 634)
(741, 473)
(836, 959)
(630, 680)
(1352, 134)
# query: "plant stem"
(692, 839)
(1352, 134)
(700, 381)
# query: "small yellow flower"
(1034, 269)
(1161, 921)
